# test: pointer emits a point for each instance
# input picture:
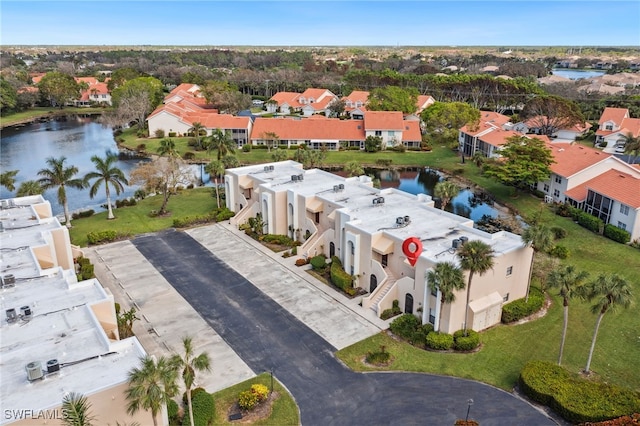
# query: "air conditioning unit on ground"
(34, 370)
(52, 366)
(12, 316)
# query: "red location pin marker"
(412, 247)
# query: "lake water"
(576, 74)
(27, 148)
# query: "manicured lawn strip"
(135, 219)
(38, 112)
(284, 409)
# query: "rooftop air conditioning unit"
(11, 315)
(266, 169)
(399, 220)
(34, 370)
(8, 280)
(4, 204)
(463, 240)
(294, 178)
(456, 243)
(300, 177)
(271, 168)
(336, 188)
(407, 219)
(26, 312)
(341, 186)
(52, 366)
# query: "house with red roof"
(534, 124)
(185, 105)
(356, 104)
(96, 92)
(614, 125)
(474, 138)
(311, 101)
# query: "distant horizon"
(340, 46)
(305, 23)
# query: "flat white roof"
(62, 325)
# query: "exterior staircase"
(385, 287)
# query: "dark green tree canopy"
(133, 88)
(59, 88)
(524, 162)
(393, 98)
(445, 118)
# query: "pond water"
(466, 203)
(78, 139)
(576, 74)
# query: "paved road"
(267, 336)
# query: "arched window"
(373, 283)
(332, 249)
(408, 304)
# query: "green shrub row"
(173, 412)
(203, 409)
(99, 237)
(85, 270)
(466, 343)
(558, 232)
(340, 277)
(575, 399)
(559, 251)
(592, 223)
(439, 341)
(126, 202)
(319, 262)
(217, 215)
(84, 213)
(616, 234)
(518, 309)
(282, 240)
(390, 313)
(404, 326)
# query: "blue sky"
(321, 23)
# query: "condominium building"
(366, 228)
(58, 335)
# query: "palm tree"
(609, 292)
(29, 187)
(8, 179)
(447, 278)
(76, 407)
(540, 238)
(108, 173)
(353, 168)
(151, 386)
(190, 363)
(446, 191)
(221, 142)
(197, 129)
(632, 145)
(215, 168)
(476, 257)
(568, 281)
(168, 148)
(57, 175)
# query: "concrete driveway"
(267, 336)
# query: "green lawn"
(135, 220)
(25, 116)
(284, 409)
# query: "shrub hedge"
(404, 326)
(203, 409)
(466, 343)
(282, 240)
(439, 341)
(559, 251)
(592, 223)
(217, 215)
(558, 232)
(576, 399)
(340, 277)
(419, 336)
(84, 213)
(616, 234)
(172, 412)
(319, 262)
(98, 237)
(518, 309)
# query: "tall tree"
(8, 179)
(8, 96)
(221, 142)
(444, 119)
(190, 363)
(476, 257)
(29, 187)
(59, 88)
(107, 173)
(526, 162)
(632, 145)
(215, 168)
(551, 113)
(608, 293)
(151, 386)
(393, 98)
(136, 98)
(76, 408)
(446, 191)
(167, 148)
(161, 175)
(447, 278)
(353, 168)
(568, 280)
(121, 76)
(271, 139)
(540, 238)
(336, 107)
(197, 129)
(61, 177)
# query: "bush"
(566, 210)
(246, 148)
(405, 326)
(141, 133)
(282, 240)
(616, 234)
(126, 202)
(141, 147)
(261, 390)
(319, 262)
(439, 341)
(189, 155)
(84, 213)
(384, 162)
(98, 237)
(592, 223)
(301, 262)
(419, 337)
(558, 232)
(575, 399)
(217, 215)
(203, 409)
(247, 400)
(538, 193)
(518, 309)
(390, 313)
(559, 251)
(159, 133)
(172, 412)
(399, 148)
(466, 343)
(340, 277)
(194, 392)
(172, 134)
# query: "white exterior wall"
(631, 220)
(168, 123)
(389, 137)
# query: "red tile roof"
(498, 137)
(572, 158)
(319, 128)
(411, 132)
(614, 114)
(488, 120)
(383, 120)
(614, 184)
(630, 125)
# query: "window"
(546, 187)
(392, 133)
(434, 292)
(378, 132)
(505, 298)
(509, 270)
(352, 248)
(622, 225)
(624, 209)
(432, 317)
(558, 179)
(556, 193)
(608, 127)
